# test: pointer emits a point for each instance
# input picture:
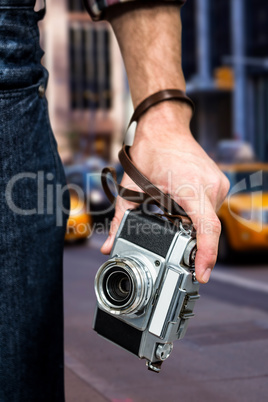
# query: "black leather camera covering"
(118, 331)
(148, 231)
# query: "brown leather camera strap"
(151, 194)
(161, 96)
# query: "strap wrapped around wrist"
(161, 96)
(151, 194)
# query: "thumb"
(121, 207)
(107, 246)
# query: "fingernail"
(206, 276)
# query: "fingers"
(208, 229)
(223, 191)
(207, 246)
(202, 207)
(121, 207)
(107, 246)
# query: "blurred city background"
(225, 62)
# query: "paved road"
(223, 358)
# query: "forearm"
(150, 42)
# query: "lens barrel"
(123, 286)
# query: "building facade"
(87, 89)
(225, 57)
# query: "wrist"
(152, 82)
(165, 121)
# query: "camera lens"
(123, 286)
(118, 286)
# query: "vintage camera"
(147, 290)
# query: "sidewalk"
(77, 390)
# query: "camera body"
(147, 290)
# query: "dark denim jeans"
(32, 224)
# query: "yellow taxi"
(79, 225)
(244, 213)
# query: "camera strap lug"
(155, 367)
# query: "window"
(257, 28)
(90, 65)
(75, 5)
(220, 31)
(189, 39)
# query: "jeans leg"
(32, 224)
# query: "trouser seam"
(16, 93)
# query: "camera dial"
(163, 351)
(190, 253)
(123, 286)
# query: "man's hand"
(165, 151)
(149, 36)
